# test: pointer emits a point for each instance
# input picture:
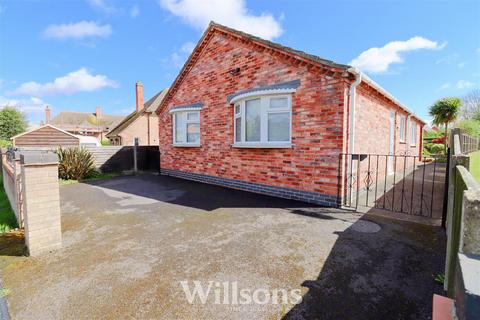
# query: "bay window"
(263, 121)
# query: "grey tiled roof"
(293, 84)
(187, 106)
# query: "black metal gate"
(398, 183)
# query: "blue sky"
(76, 54)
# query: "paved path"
(129, 241)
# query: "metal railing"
(397, 183)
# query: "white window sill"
(273, 145)
(186, 145)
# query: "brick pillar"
(41, 202)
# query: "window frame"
(185, 143)
(403, 131)
(265, 111)
(413, 133)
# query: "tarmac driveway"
(129, 242)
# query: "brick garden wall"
(317, 121)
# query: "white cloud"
(102, 5)
(33, 107)
(77, 30)
(444, 86)
(178, 58)
(448, 59)
(32, 104)
(232, 13)
(134, 12)
(461, 64)
(378, 60)
(77, 81)
(464, 84)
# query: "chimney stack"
(47, 115)
(139, 95)
(98, 112)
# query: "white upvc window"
(413, 133)
(403, 128)
(186, 128)
(263, 122)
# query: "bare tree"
(471, 105)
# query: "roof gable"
(42, 127)
(150, 106)
(273, 48)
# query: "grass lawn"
(475, 165)
(97, 176)
(7, 216)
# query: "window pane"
(237, 109)
(193, 132)
(252, 120)
(402, 129)
(192, 116)
(278, 103)
(279, 126)
(179, 127)
(238, 129)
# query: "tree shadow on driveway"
(388, 274)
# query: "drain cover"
(366, 226)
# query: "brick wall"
(317, 121)
(139, 129)
(372, 135)
(372, 132)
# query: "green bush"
(429, 135)
(75, 164)
(437, 148)
(470, 127)
(5, 143)
(105, 142)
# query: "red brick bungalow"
(250, 114)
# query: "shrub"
(470, 127)
(75, 163)
(439, 140)
(105, 142)
(433, 134)
(5, 143)
(437, 148)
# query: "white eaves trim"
(261, 93)
(375, 85)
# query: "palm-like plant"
(75, 163)
(445, 111)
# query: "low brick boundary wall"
(41, 194)
(287, 193)
(31, 183)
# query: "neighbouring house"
(94, 124)
(254, 115)
(46, 136)
(141, 123)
